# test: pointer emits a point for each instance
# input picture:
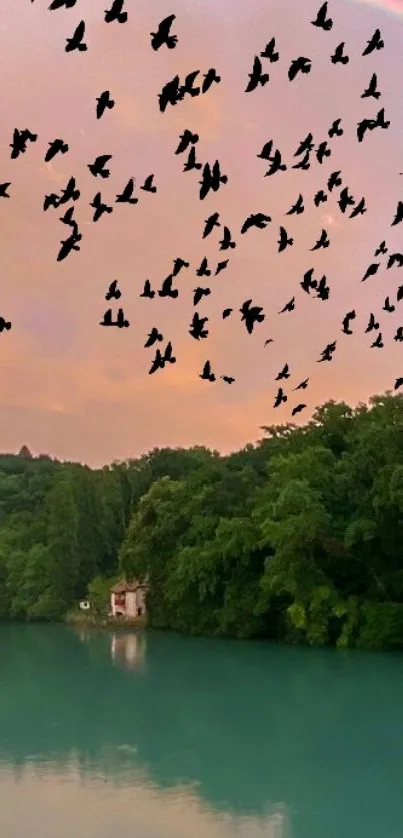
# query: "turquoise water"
(158, 736)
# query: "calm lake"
(159, 736)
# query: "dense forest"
(298, 537)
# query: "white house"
(128, 599)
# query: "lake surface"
(152, 735)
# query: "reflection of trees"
(250, 723)
(128, 649)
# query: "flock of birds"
(212, 179)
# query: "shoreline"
(113, 623)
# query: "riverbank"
(80, 618)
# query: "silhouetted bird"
(203, 270)
(335, 130)
(187, 88)
(289, 306)
(76, 41)
(185, 140)
(163, 36)
(378, 343)
(226, 313)
(211, 179)
(303, 385)
(281, 397)
(299, 65)
(167, 290)
(99, 207)
(3, 190)
(227, 379)
(160, 361)
(376, 42)
(148, 184)
(395, 258)
(258, 220)
(399, 334)
(60, 4)
(320, 198)
(334, 180)
(269, 52)
(19, 143)
(360, 209)
(307, 282)
(191, 162)
(298, 409)
(178, 265)
(322, 21)
(284, 241)
(399, 293)
(197, 330)
(305, 145)
(322, 151)
(364, 126)
(125, 196)
(269, 340)
(113, 292)
(256, 77)
(381, 249)
(351, 315)
(207, 374)
(210, 223)
(371, 271)
(323, 290)
(55, 147)
(147, 290)
(210, 77)
(104, 102)
(153, 337)
(170, 94)
(323, 241)
(284, 373)
(276, 164)
(70, 193)
(221, 266)
(345, 200)
(226, 241)
(5, 325)
(372, 91)
(398, 383)
(97, 167)
(297, 208)
(399, 214)
(71, 243)
(338, 57)
(116, 13)
(51, 200)
(251, 315)
(380, 121)
(265, 153)
(327, 353)
(304, 163)
(199, 293)
(67, 218)
(372, 324)
(387, 306)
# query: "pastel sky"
(77, 391)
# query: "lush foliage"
(298, 538)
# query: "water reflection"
(250, 738)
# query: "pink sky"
(78, 391)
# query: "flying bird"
(327, 352)
(163, 36)
(276, 164)
(116, 12)
(3, 190)
(55, 147)
(97, 167)
(338, 57)
(381, 249)
(321, 20)
(375, 43)
(290, 306)
(303, 385)
(99, 207)
(320, 198)
(371, 270)
(104, 102)
(210, 223)
(185, 140)
(199, 293)
(60, 4)
(125, 197)
(167, 290)
(298, 409)
(299, 65)
(284, 241)
(147, 290)
(399, 214)
(398, 383)
(227, 378)
(305, 145)
(226, 241)
(372, 324)
(360, 209)
(371, 91)
(256, 76)
(387, 306)
(283, 374)
(191, 162)
(269, 52)
(334, 180)
(281, 397)
(76, 41)
(207, 374)
(395, 258)
(258, 220)
(297, 208)
(335, 130)
(399, 334)
(323, 241)
(351, 315)
(266, 151)
(378, 342)
(148, 184)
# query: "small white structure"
(128, 599)
(85, 605)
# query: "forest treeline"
(298, 537)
